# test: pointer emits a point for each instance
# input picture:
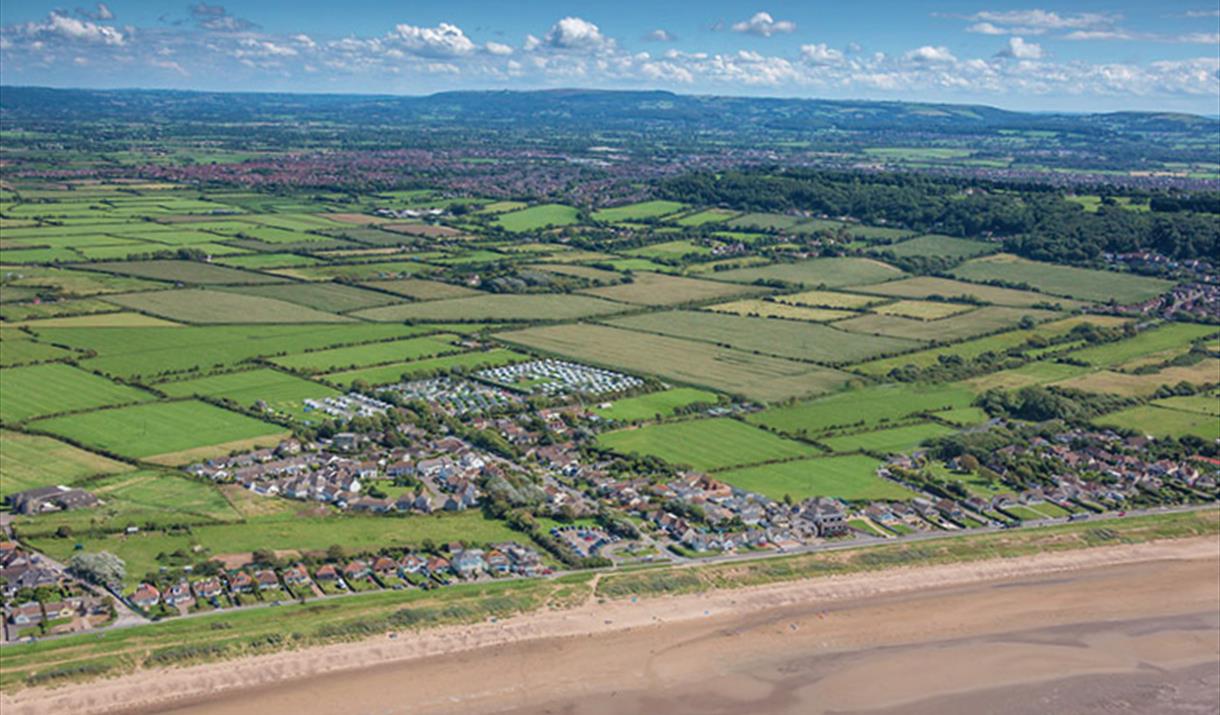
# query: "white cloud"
(1099, 35)
(497, 48)
(930, 55)
(821, 54)
(71, 28)
(986, 28)
(763, 25)
(444, 40)
(574, 33)
(1035, 22)
(1019, 49)
(659, 35)
(304, 40)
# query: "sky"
(1082, 56)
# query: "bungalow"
(497, 562)
(208, 588)
(241, 582)
(327, 572)
(411, 564)
(179, 593)
(356, 570)
(437, 566)
(296, 575)
(146, 596)
(266, 580)
(61, 609)
(403, 468)
(384, 566)
(27, 614)
(468, 563)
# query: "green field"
(705, 444)
(356, 356)
(537, 217)
(53, 388)
(190, 272)
(394, 372)
(660, 289)
(734, 372)
(30, 461)
(179, 432)
(922, 309)
(933, 287)
(15, 351)
(702, 218)
(784, 338)
(1206, 404)
(642, 210)
(655, 404)
(213, 306)
(755, 307)
(970, 324)
(829, 299)
(888, 440)
(938, 246)
(282, 392)
(866, 407)
(504, 307)
(852, 477)
(829, 272)
(1157, 421)
(1166, 338)
(1066, 281)
(418, 289)
(330, 297)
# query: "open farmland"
(935, 246)
(659, 289)
(887, 440)
(30, 461)
(1156, 421)
(1124, 384)
(944, 288)
(1171, 338)
(635, 212)
(329, 297)
(418, 289)
(865, 407)
(706, 216)
(771, 309)
(427, 367)
(654, 404)
(852, 477)
(282, 392)
(1066, 281)
(536, 218)
(829, 299)
(369, 354)
(52, 388)
(976, 322)
(705, 444)
(504, 307)
(190, 272)
(213, 306)
(829, 272)
(756, 377)
(784, 338)
(922, 309)
(164, 432)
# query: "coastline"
(649, 619)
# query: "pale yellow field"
(923, 309)
(828, 299)
(1127, 385)
(767, 309)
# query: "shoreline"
(158, 690)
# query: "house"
(179, 593)
(468, 563)
(384, 566)
(497, 562)
(27, 614)
(296, 576)
(241, 582)
(356, 570)
(266, 580)
(208, 589)
(826, 516)
(146, 596)
(45, 499)
(346, 441)
(437, 566)
(412, 564)
(327, 573)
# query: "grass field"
(1127, 385)
(1066, 281)
(867, 407)
(380, 271)
(161, 428)
(53, 388)
(1205, 404)
(702, 218)
(670, 250)
(933, 287)
(329, 297)
(419, 289)
(190, 272)
(119, 319)
(784, 338)
(660, 289)
(829, 272)
(655, 404)
(765, 221)
(755, 377)
(922, 309)
(939, 247)
(394, 372)
(852, 477)
(956, 327)
(705, 444)
(1173, 337)
(504, 307)
(29, 461)
(356, 356)
(634, 212)
(282, 392)
(1157, 421)
(214, 306)
(888, 440)
(22, 352)
(537, 217)
(770, 309)
(829, 299)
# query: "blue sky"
(1078, 56)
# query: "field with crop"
(190, 272)
(379, 353)
(635, 212)
(1157, 421)
(537, 217)
(659, 289)
(214, 306)
(944, 288)
(29, 461)
(852, 477)
(922, 309)
(50, 389)
(708, 444)
(829, 299)
(972, 323)
(505, 307)
(887, 440)
(654, 404)
(864, 407)
(282, 392)
(730, 371)
(772, 309)
(427, 367)
(829, 272)
(1066, 281)
(938, 246)
(706, 216)
(784, 338)
(1204, 372)
(418, 289)
(168, 432)
(1171, 338)
(329, 297)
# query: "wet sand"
(1072, 632)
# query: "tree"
(968, 462)
(103, 568)
(336, 552)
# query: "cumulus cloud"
(1035, 22)
(659, 35)
(821, 54)
(574, 33)
(216, 18)
(763, 25)
(444, 40)
(498, 48)
(1019, 49)
(930, 55)
(66, 27)
(100, 13)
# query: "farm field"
(864, 407)
(282, 392)
(635, 212)
(770, 309)
(118, 319)
(934, 287)
(1144, 385)
(827, 272)
(164, 432)
(704, 217)
(828, 299)
(922, 309)
(784, 338)
(887, 440)
(765, 221)
(956, 327)
(328, 297)
(1157, 421)
(670, 250)
(647, 407)
(213, 306)
(419, 289)
(21, 352)
(29, 461)
(386, 270)
(1170, 338)
(938, 246)
(1205, 404)
(427, 367)
(355, 356)
(190, 272)
(50, 389)
(707, 444)
(851, 477)
(659, 289)
(527, 307)
(536, 218)
(1067, 281)
(730, 371)
(1034, 373)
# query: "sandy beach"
(1053, 632)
